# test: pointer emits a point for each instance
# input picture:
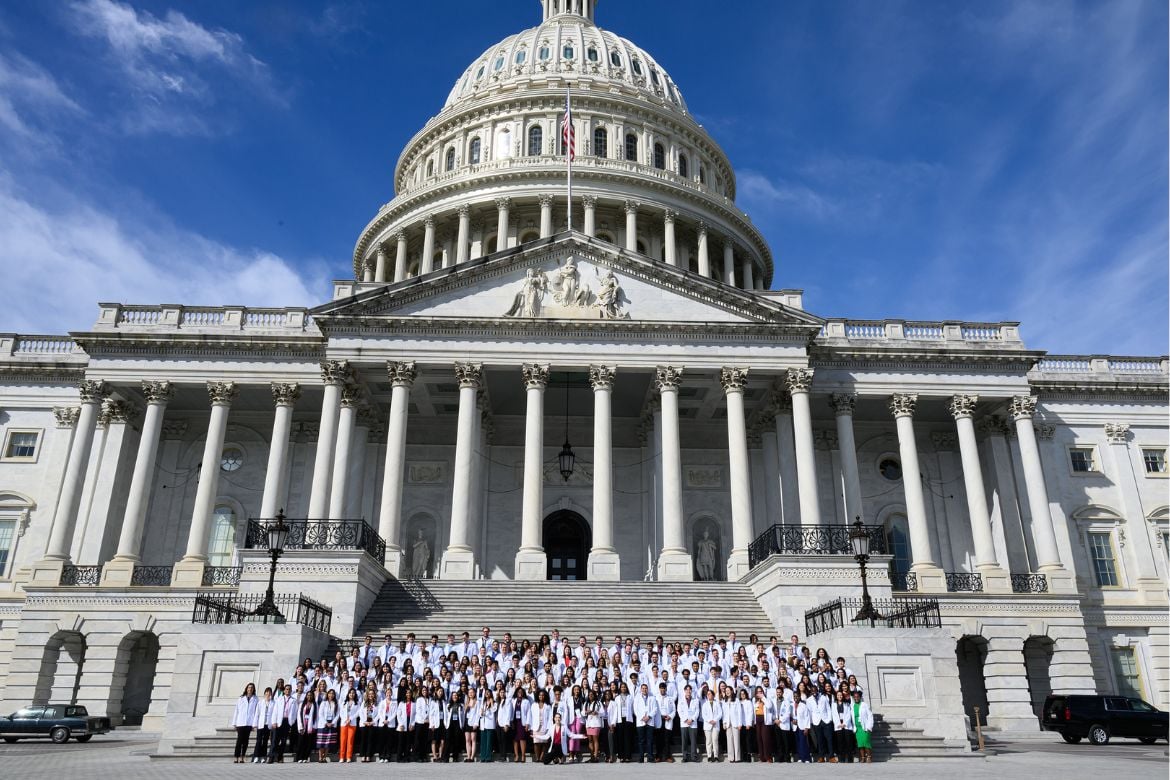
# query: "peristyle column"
(729, 262)
(502, 207)
(631, 225)
(459, 558)
(843, 410)
(464, 238)
(995, 579)
(335, 373)
(671, 253)
(380, 264)
(427, 262)
(402, 376)
(546, 220)
(1023, 408)
(674, 562)
(284, 398)
(346, 422)
(531, 563)
(733, 381)
(704, 258)
(799, 382)
(400, 256)
(590, 202)
(157, 394)
(604, 563)
(902, 405)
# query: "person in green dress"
(863, 725)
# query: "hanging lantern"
(567, 460)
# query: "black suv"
(1101, 717)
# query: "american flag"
(568, 136)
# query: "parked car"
(58, 722)
(1100, 718)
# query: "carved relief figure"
(706, 558)
(567, 287)
(610, 297)
(528, 300)
(420, 557)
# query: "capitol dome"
(488, 172)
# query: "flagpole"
(570, 139)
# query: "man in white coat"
(645, 711)
(688, 719)
(664, 723)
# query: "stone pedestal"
(604, 566)
(457, 565)
(675, 566)
(1061, 581)
(394, 561)
(117, 573)
(189, 574)
(531, 565)
(931, 579)
(995, 579)
(737, 565)
(46, 572)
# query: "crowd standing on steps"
(557, 701)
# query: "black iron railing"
(81, 576)
(220, 607)
(811, 540)
(222, 576)
(964, 582)
(1029, 583)
(892, 613)
(903, 580)
(321, 535)
(152, 576)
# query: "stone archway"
(971, 652)
(1037, 664)
(133, 683)
(566, 538)
(62, 665)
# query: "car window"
(1141, 706)
(28, 712)
(51, 712)
(1116, 703)
(76, 712)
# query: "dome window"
(499, 63)
(659, 157)
(479, 73)
(615, 59)
(451, 158)
(521, 56)
(702, 174)
(631, 147)
(535, 140)
(568, 52)
(476, 148)
(637, 66)
(600, 142)
(430, 167)
(592, 54)
(683, 166)
(544, 52)
(654, 76)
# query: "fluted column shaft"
(276, 477)
(590, 203)
(530, 558)
(1047, 555)
(847, 447)
(335, 374)
(962, 408)
(400, 257)
(427, 262)
(729, 263)
(380, 265)
(402, 376)
(546, 220)
(130, 538)
(61, 538)
(733, 380)
(222, 394)
(469, 375)
(674, 562)
(346, 419)
(799, 381)
(902, 406)
(602, 380)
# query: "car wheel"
(1147, 740)
(85, 738)
(1098, 735)
(1071, 739)
(59, 735)
(10, 740)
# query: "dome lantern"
(583, 8)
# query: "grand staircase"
(675, 611)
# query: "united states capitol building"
(627, 401)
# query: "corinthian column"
(531, 562)
(799, 381)
(335, 374)
(902, 405)
(674, 562)
(704, 259)
(590, 203)
(120, 570)
(284, 398)
(546, 220)
(995, 579)
(502, 206)
(346, 422)
(733, 381)
(1022, 409)
(459, 558)
(843, 410)
(464, 239)
(427, 262)
(402, 376)
(729, 262)
(631, 207)
(604, 563)
(379, 265)
(400, 256)
(668, 240)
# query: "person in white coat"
(688, 721)
(263, 726)
(664, 723)
(645, 712)
(540, 723)
(803, 728)
(487, 725)
(711, 713)
(785, 726)
(243, 720)
(738, 716)
(387, 722)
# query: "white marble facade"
(431, 396)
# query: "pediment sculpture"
(569, 296)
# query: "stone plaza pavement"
(123, 756)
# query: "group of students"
(493, 699)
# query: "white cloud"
(64, 259)
(29, 93)
(758, 192)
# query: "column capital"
(733, 379)
(158, 392)
(469, 374)
(590, 201)
(535, 375)
(222, 393)
(335, 372)
(601, 377)
(401, 374)
(963, 406)
(429, 221)
(1116, 433)
(701, 228)
(903, 404)
(117, 412)
(368, 418)
(351, 396)
(400, 236)
(546, 200)
(380, 250)
(669, 216)
(93, 391)
(799, 380)
(66, 416)
(826, 439)
(781, 402)
(668, 377)
(843, 403)
(631, 206)
(503, 202)
(1022, 407)
(464, 211)
(285, 394)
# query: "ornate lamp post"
(277, 536)
(859, 540)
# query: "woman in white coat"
(803, 726)
(387, 720)
(486, 712)
(540, 722)
(470, 722)
(711, 713)
(243, 720)
(521, 725)
(785, 725)
(738, 716)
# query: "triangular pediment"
(566, 277)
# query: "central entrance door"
(566, 544)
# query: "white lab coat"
(666, 711)
(784, 714)
(505, 713)
(645, 710)
(740, 714)
(263, 713)
(689, 710)
(540, 722)
(387, 714)
(245, 714)
(865, 714)
(711, 713)
(803, 716)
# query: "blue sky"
(924, 160)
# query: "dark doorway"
(566, 544)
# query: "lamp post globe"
(859, 541)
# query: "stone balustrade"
(1101, 367)
(878, 332)
(38, 347)
(117, 316)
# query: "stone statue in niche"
(420, 557)
(706, 558)
(610, 298)
(528, 301)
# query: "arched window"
(702, 174)
(659, 157)
(430, 168)
(592, 54)
(451, 158)
(615, 59)
(544, 52)
(637, 66)
(600, 142)
(568, 52)
(535, 140)
(530, 235)
(521, 56)
(223, 536)
(683, 167)
(654, 76)
(499, 63)
(476, 146)
(479, 73)
(631, 147)
(489, 246)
